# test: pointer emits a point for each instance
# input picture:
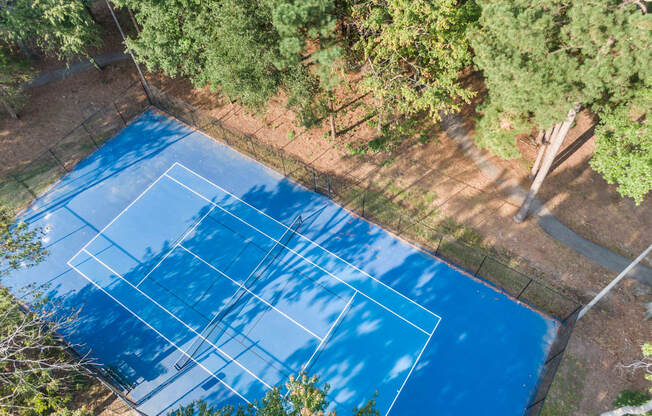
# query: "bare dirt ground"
(432, 173)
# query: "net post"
(441, 237)
(314, 178)
(364, 196)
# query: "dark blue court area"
(202, 274)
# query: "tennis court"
(202, 274)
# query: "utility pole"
(143, 81)
(613, 283)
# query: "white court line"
(305, 238)
(180, 321)
(183, 237)
(160, 334)
(304, 258)
(126, 208)
(253, 294)
(344, 310)
(398, 393)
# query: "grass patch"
(566, 391)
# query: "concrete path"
(546, 220)
(51, 75)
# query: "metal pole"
(124, 38)
(613, 283)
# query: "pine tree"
(542, 59)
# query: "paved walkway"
(546, 220)
(51, 75)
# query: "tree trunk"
(29, 54)
(630, 410)
(9, 108)
(133, 20)
(555, 144)
(331, 119)
(542, 150)
(90, 12)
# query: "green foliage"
(304, 398)
(631, 398)
(248, 50)
(415, 50)
(19, 246)
(62, 28)
(540, 57)
(623, 152)
(37, 376)
(14, 73)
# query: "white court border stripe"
(398, 393)
(304, 237)
(307, 260)
(328, 334)
(180, 321)
(126, 208)
(253, 294)
(159, 334)
(183, 237)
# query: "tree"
(415, 51)
(13, 74)
(37, 375)
(632, 403)
(304, 398)
(623, 148)
(542, 58)
(20, 246)
(249, 51)
(62, 28)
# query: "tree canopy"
(623, 147)
(538, 58)
(62, 28)
(20, 246)
(304, 398)
(415, 50)
(249, 51)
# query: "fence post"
(480, 266)
(120, 114)
(441, 236)
(524, 289)
(251, 143)
(280, 152)
(24, 185)
(314, 177)
(57, 160)
(91, 136)
(328, 179)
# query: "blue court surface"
(200, 273)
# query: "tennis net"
(261, 268)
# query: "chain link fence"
(383, 209)
(20, 185)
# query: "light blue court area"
(198, 273)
